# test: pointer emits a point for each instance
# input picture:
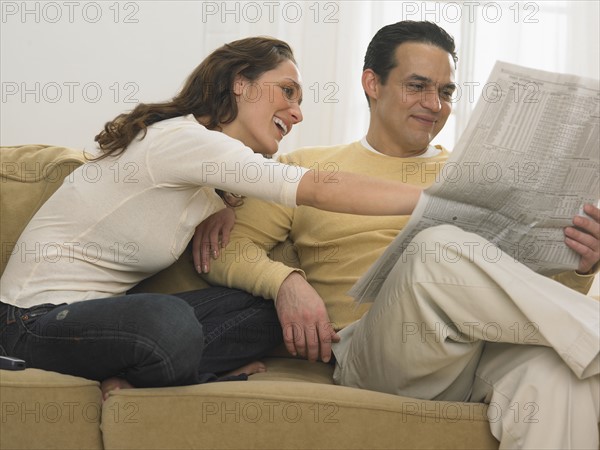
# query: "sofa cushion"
(289, 406)
(178, 277)
(287, 368)
(41, 408)
(29, 175)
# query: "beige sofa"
(293, 405)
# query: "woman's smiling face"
(268, 107)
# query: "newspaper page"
(524, 167)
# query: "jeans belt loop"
(10, 314)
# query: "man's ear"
(370, 84)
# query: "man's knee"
(445, 235)
(444, 245)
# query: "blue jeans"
(151, 340)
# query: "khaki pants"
(460, 321)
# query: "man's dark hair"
(381, 53)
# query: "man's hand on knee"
(307, 330)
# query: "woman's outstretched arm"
(356, 194)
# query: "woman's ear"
(239, 83)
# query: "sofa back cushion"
(29, 175)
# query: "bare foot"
(249, 369)
(113, 384)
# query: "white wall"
(67, 67)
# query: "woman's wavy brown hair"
(207, 93)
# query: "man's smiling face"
(411, 108)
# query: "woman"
(66, 309)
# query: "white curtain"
(560, 36)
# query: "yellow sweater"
(334, 249)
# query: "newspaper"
(525, 165)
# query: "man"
(427, 335)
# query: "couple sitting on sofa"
(203, 335)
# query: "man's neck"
(395, 152)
